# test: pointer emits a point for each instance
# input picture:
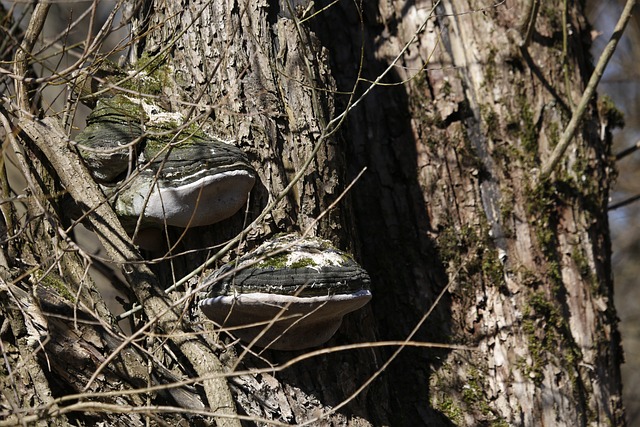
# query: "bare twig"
(395, 354)
(21, 59)
(527, 23)
(628, 151)
(96, 407)
(623, 203)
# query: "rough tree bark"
(452, 136)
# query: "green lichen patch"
(150, 77)
(585, 270)
(542, 209)
(474, 396)
(466, 396)
(118, 107)
(450, 409)
(283, 261)
(544, 322)
(472, 247)
(300, 259)
(541, 340)
(608, 111)
(491, 121)
(528, 130)
(492, 268)
(582, 263)
(548, 337)
(472, 390)
(455, 242)
(54, 282)
(490, 67)
(507, 208)
(161, 127)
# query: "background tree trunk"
(449, 213)
(453, 156)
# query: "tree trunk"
(465, 245)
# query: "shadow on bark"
(389, 217)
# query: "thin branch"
(391, 358)
(569, 132)
(97, 407)
(21, 62)
(527, 22)
(623, 203)
(391, 66)
(254, 370)
(628, 151)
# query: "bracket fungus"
(198, 182)
(290, 293)
(107, 142)
(180, 177)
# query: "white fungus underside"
(302, 322)
(259, 298)
(205, 201)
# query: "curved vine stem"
(570, 130)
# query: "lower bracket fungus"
(178, 175)
(290, 293)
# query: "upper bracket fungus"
(178, 175)
(290, 293)
(197, 182)
(107, 143)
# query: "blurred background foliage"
(621, 83)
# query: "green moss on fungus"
(125, 106)
(277, 261)
(302, 263)
(151, 75)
